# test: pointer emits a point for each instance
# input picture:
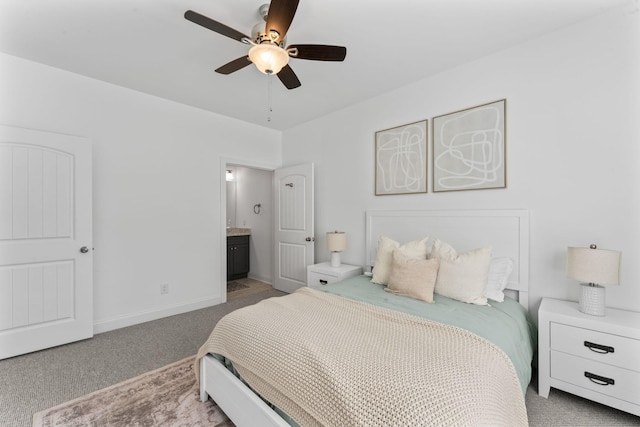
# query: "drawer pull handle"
(598, 348)
(323, 282)
(597, 379)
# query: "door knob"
(84, 249)
(310, 239)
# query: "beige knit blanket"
(327, 360)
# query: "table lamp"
(594, 267)
(336, 243)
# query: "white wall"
(157, 185)
(573, 145)
(254, 186)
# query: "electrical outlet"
(164, 288)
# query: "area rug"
(235, 286)
(165, 397)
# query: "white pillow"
(462, 277)
(416, 249)
(412, 277)
(499, 271)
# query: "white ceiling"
(148, 46)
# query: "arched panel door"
(46, 260)
(294, 230)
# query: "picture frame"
(469, 148)
(401, 159)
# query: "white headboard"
(507, 231)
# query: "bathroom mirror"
(231, 204)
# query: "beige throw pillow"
(462, 277)
(415, 278)
(416, 249)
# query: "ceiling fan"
(268, 41)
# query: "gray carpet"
(40, 380)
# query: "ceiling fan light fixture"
(268, 58)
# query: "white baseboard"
(266, 280)
(146, 316)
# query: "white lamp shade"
(598, 266)
(336, 241)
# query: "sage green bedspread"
(506, 324)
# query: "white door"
(294, 238)
(46, 273)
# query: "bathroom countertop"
(235, 231)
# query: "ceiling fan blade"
(319, 52)
(212, 25)
(280, 15)
(235, 65)
(289, 78)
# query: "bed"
(358, 354)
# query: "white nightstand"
(323, 274)
(594, 357)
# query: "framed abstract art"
(401, 159)
(469, 148)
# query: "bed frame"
(507, 231)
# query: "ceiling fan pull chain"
(269, 108)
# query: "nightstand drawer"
(316, 280)
(606, 379)
(322, 274)
(606, 348)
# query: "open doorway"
(248, 223)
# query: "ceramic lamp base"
(335, 259)
(591, 299)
